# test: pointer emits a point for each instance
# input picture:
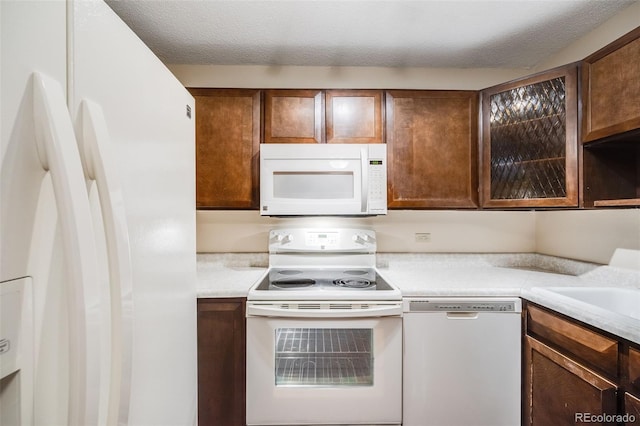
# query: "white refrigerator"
(97, 223)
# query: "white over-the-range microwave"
(323, 179)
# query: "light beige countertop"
(453, 275)
(229, 274)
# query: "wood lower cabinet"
(633, 369)
(432, 148)
(573, 373)
(590, 347)
(558, 389)
(611, 89)
(631, 409)
(227, 148)
(221, 362)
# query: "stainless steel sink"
(620, 301)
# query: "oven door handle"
(394, 310)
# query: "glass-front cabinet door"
(529, 141)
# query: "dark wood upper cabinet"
(521, 144)
(611, 173)
(611, 89)
(227, 147)
(611, 125)
(294, 116)
(354, 116)
(432, 139)
(529, 141)
(319, 116)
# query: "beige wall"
(451, 231)
(584, 235)
(590, 235)
(611, 30)
(290, 77)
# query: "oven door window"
(324, 357)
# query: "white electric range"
(324, 333)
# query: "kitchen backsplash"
(577, 234)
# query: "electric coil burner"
(327, 264)
(353, 283)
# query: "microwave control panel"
(377, 194)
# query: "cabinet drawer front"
(579, 341)
(634, 369)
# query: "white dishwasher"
(462, 361)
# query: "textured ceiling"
(400, 33)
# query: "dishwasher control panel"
(463, 305)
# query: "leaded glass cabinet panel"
(529, 141)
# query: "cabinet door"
(557, 390)
(432, 141)
(633, 369)
(354, 116)
(611, 89)
(293, 116)
(221, 362)
(529, 141)
(227, 148)
(632, 408)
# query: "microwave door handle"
(364, 185)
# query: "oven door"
(303, 371)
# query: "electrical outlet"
(423, 237)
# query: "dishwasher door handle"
(462, 315)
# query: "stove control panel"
(325, 239)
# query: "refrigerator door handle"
(95, 151)
(58, 153)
